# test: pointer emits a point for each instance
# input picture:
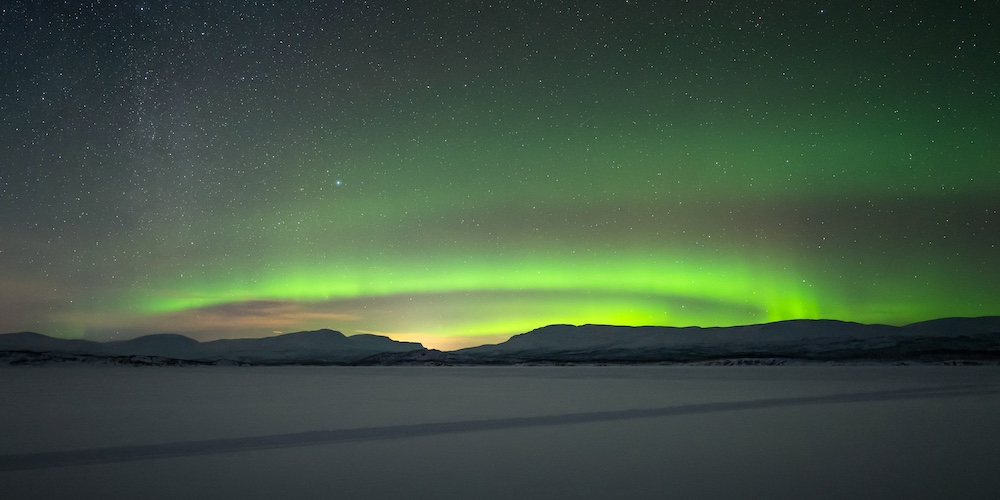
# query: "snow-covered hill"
(809, 340)
(313, 347)
(949, 340)
(945, 340)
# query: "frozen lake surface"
(503, 432)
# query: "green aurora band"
(459, 173)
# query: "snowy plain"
(78, 431)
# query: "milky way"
(457, 172)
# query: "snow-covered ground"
(78, 431)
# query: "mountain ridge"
(323, 346)
(943, 340)
(940, 340)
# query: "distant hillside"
(948, 340)
(313, 347)
(972, 340)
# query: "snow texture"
(74, 431)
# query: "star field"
(457, 172)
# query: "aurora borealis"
(457, 172)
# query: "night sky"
(457, 172)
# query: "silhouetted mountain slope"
(812, 340)
(31, 341)
(943, 340)
(314, 347)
